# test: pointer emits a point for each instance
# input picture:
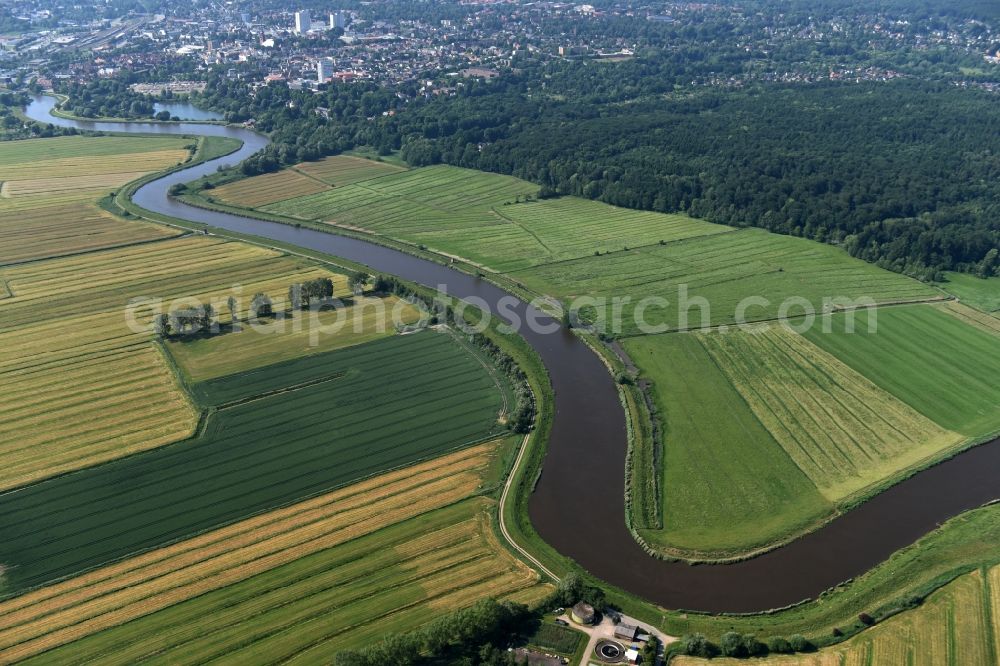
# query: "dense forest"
(903, 174)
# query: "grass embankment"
(276, 435)
(961, 545)
(957, 626)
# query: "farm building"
(626, 632)
(582, 613)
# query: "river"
(578, 505)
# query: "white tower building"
(303, 21)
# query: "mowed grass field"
(275, 435)
(803, 431)
(723, 270)
(475, 215)
(299, 334)
(328, 572)
(83, 386)
(973, 317)
(958, 625)
(941, 366)
(726, 483)
(304, 179)
(50, 188)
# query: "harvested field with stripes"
(246, 553)
(276, 435)
(957, 626)
(839, 428)
(67, 348)
(267, 189)
(340, 170)
(48, 204)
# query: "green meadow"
(940, 366)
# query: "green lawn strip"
(940, 366)
(727, 485)
(982, 294)
(211, 147)
(291, 446)
(345, 587)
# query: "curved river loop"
(588, 442)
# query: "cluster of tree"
(202, 320)
(110, 98)
(186, 321)
(573, 588)
(301, 294)
(475, 636)
(734, 644)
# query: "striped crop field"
(275, 436)
(66, 349)
(838, 427)
(365, 319)
(725, 483)
(64, 416)
(957, 626)
(342, 170)
(941, 366)
(51, 186)
(724, 269)
(256, 553)
(268, 188)
(348, 592)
